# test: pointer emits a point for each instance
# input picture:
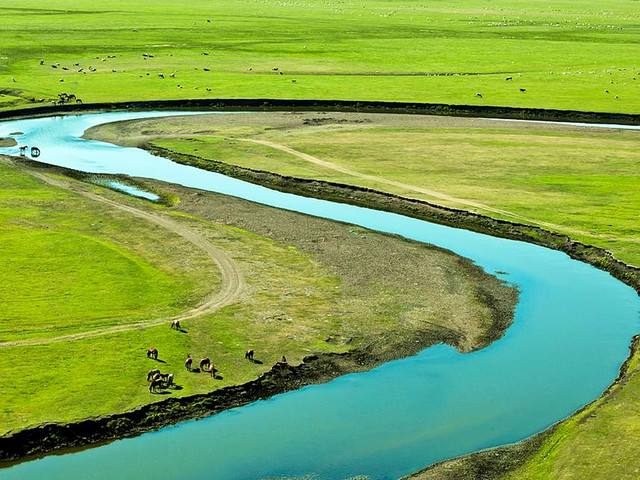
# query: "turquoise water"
(131, 190)
(571, 332)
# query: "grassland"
(71, 264)
(584, 183)
(565, 54)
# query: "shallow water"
(571, 332)
(130, 190)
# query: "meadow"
(565, 54)
(73, 265)
(508, 170)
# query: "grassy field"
(72, 265)
(584, 183)
(565, 54)
(54, 248)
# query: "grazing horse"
(249, 355)
(155, 384)
(152, 353)
(205, 363)
(188, 362)
(175, 324)
(152, 373)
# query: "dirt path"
(232, 281)
(413, 188)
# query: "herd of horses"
(158, 380)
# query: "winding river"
(571, 333)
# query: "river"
(571, 333)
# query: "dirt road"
(232, 281)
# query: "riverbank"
(377, 324)
(362, 106)
(378, 200)
(503, 169)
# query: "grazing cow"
(249, 355)
(188, 362)
(175, 324)
(283, 360)
(205, 363)
(509, 78)
(213, 371)
(152, 374)
(523, 90)
(152, 353)
(479, 95)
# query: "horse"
(152, 353)
(205, 362)
(249, 355)
(175, 324)
(155, 384)
(188, 362)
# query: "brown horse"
(155, 384)
(205, 363)
(152, 353)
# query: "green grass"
(71, 265)
(584, 183)
(565, 53)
